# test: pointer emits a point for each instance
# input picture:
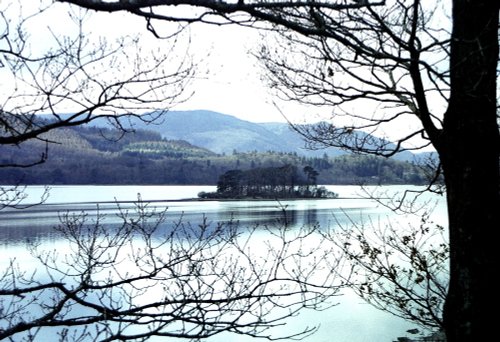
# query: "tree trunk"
(469, 151)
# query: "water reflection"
(349, 322)
(37, 224)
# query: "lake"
(352, 320)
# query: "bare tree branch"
(78, 73)
(145, 278)
(397, 268)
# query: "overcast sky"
(233, 83)
(228, 78)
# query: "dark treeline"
(286, 181)
(90, 155)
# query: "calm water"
(351, 320)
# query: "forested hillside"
(91, 155)
(222, 133)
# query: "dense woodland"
(91, 155)
(286, 181)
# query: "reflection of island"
(270, 182)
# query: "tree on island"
(269, 182)
(436, 66)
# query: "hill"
(222, 133)
(94, 155)
(217, 132)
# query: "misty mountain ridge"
(225, 134)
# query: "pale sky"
(228, 79)
(233, 83)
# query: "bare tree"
(400, 57)
(147, 277)
(75, 77)
(436, 67)
(78, 76)
(14, 197)
(399, 268)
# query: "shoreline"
(199, 200)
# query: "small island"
(284, 182)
